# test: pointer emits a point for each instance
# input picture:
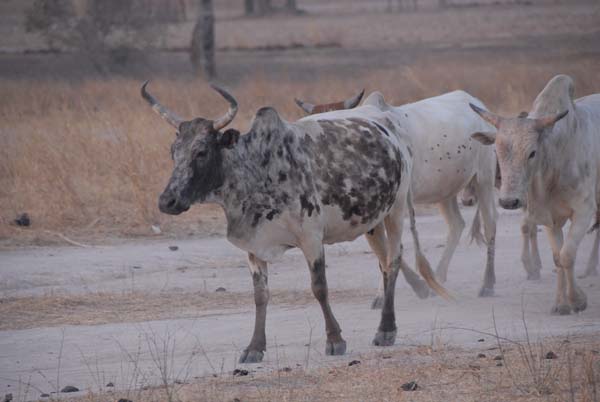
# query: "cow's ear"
(229, 138)
(484, 138)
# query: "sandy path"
(210, 342)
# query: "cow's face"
(197, 153)
(517, 144)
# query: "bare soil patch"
(103, 308)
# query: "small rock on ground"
(354, 363)
(410, 386)
(69, 388)
(173, 248)
(240, 372)
(551, 355)
(481, 356)
(23, 220)
(220, 289)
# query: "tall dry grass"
(91, 156)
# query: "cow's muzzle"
(168, 203)
(510, 203)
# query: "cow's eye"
(532, 155)
(200, 154)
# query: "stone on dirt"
(69, 388)
(410, 386)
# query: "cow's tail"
(476, 233)
(421, 261)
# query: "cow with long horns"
(301, 184)
(550, 166)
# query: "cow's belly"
(434, 180)
(337, 229)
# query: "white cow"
(550, 166)
(446, 159)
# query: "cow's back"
(446, 157)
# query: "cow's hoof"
(251, 356)
(422, 290)
(384, 338)
(534, 275)
(335, 348)
(580, 302)
(486, 292)
(589, 272)
(561, 309)
(377, 303)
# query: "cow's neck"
(244, 177)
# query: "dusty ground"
(82, 154)
(86, 317)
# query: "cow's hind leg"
(378, 240)
(315, 257)
(386, 333)
(258, 345)
(456, 225)
(592, 266)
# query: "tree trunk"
(202, 49)
(291, 6)
(249, 7)
(263, 7)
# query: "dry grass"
(101, 308)
(92, 156)
(441, 374)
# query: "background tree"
(202, 48)
(88, 28)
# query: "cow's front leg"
(315, 257)
(529, 237)
(575, 297)
(555, 236)
(258, 345)
(456, 225)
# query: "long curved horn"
(307, 107)
(227, 118)
(490, 117)
(162, 111)
(354, 101)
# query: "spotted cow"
(297, 184)
(446, 160)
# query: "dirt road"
(206, 338)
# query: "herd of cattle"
(346, 170)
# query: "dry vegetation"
(84, 156)
(91, 156)
(497, 371)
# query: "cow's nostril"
(171, 203)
